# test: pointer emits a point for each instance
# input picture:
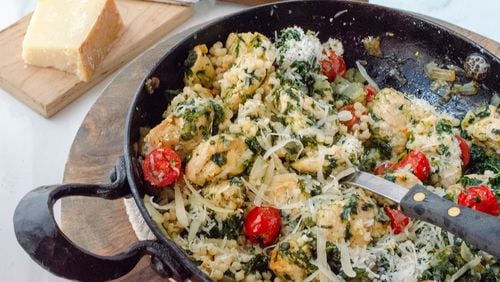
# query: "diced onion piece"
(435, 73)
(465, 268)
(180, 210)
(372, 46)
(345, 260)
(467, 89)
(363, 73)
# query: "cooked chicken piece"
(390, 121)
(484, 128)
(335, 159)
(404, 177)
(201, 71)
(353, 220)
(171, 133)
(434, 137)
(186, 125)
(217, 158)
(291, 258)
(285, 189)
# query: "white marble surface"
(33, 149)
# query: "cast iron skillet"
(35, 227)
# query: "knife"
(477, 228)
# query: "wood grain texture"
(47, 90)
(102, 226)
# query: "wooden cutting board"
(48, 90)
(102, 226)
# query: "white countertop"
(33, 150)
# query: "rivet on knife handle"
(479, 229)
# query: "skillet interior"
(411, 34)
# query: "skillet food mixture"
(247, 160)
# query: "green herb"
(333, 257)
(285, 246)
(443, 126)
(467, 181)
(369, 159)
(189, 62)
(218, 117)
(258, 263)
(229, 228)
(219, 159)
(236, 181)
(331, 164)
(390, 178)
(308, 141)
(444, 150)
(480, 161)
(287, 34)
(382, 216)
(445, 263)
(347, 233)
(253, 145)
(350, 208)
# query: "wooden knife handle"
(477, 228)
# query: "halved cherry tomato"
(332, 66)
(418, 163)
(383, 167)
(398, 220)
(262, 225)
(479, 198)
(465, 150)
(354, 120)
(370, 93)
(162, 167)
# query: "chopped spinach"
(350, 208)
(189, 62)
(443, 126)
(258, 263)
(228, 228)
(330, 165)
(480, 161)
(254, 145)
(347, 233)
(482, 111)
(467, 181)
(219, 159)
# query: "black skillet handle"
(477, 228)
(37, 232)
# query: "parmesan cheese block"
(73, 36)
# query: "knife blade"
(477, 228)
(377, 185)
